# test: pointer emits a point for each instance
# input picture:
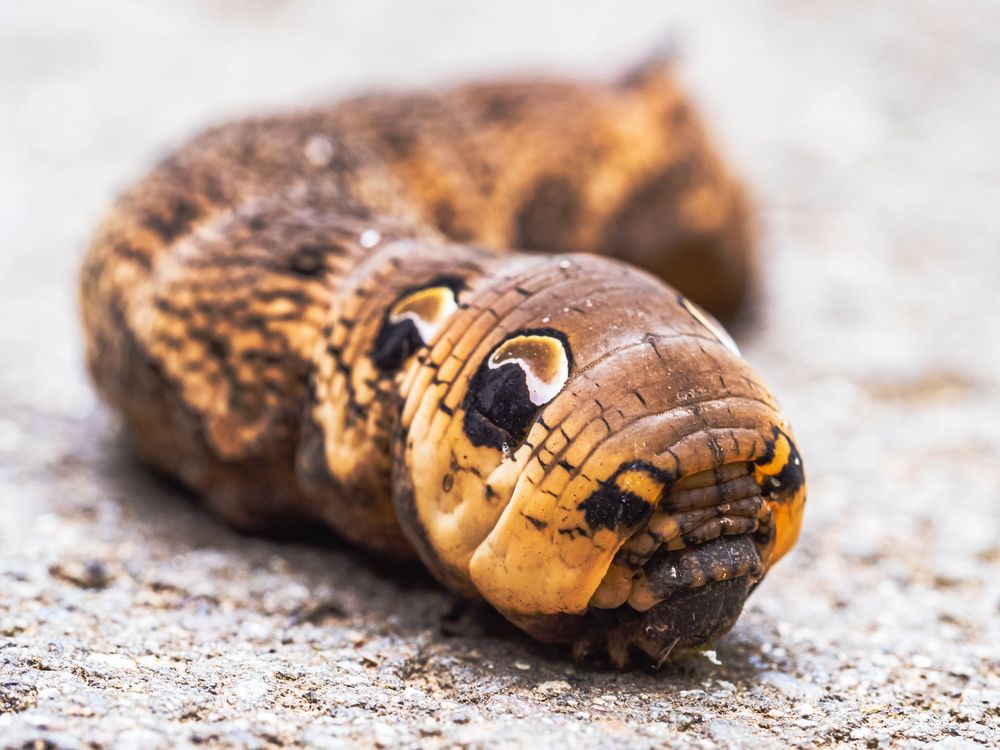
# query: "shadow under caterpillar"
(320, 317)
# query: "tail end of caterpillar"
(690, 221)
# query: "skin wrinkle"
(701, 430)
(597, 445)
(586, 372)
(676, 410)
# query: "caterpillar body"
(417, 319)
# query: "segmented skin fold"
(413, 318)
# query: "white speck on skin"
(319, 151)
(370, 238)
(564, 264)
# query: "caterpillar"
(440, 323)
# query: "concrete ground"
(131, 619)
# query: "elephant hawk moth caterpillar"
(441, 324)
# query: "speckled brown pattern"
(299, 318)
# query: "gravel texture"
(131, 619)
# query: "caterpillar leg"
(687, 220)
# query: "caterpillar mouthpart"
(688, 618)
(683, 578)
(658, 557)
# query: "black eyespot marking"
(505, 395)
(497, 410)
(394, 345)
(616, 507)
(410, 321)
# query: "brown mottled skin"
(297, 317)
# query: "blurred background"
(868, 134)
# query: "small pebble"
(87, 574)
(553, 686)
(112, 661)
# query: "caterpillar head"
(585, 449)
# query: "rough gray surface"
(130, 619)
